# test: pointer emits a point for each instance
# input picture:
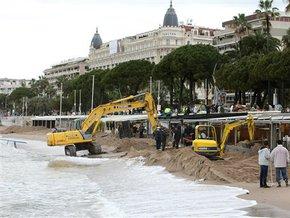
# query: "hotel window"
(167, 41)
(176, 42)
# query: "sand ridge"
(234, 168)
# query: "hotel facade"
(7, 86)
(151, 46)
(68, 68)
(226, 40)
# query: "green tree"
(61, 80)
(258, 43)
(194, 63)
(84, 83)
(3, 101)
(287, 9)
(267, 11)
(40, 86)
(16, 97)
(163, 71)
(130, 77)
(235, 76)
(184, 67)
(267, 69)
(242, 27)
(279, 73)
(21, 92)
(286, 39)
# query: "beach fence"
(12, 142)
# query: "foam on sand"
(60, 162)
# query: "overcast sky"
(34, 34)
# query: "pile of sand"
(236, 166)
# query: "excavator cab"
(205, 142)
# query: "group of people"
(177, 133)
(138, 131)
(280, 157)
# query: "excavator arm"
(230, 126)
(124, 104)
(83, 139)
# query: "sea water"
(39, 181)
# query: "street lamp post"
(26, 105)
(75, 101)
(93, 90)
(60, 105)
(158, 96)
(23, 105)
(150, 85)
(80, 103)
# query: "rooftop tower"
(170, 18)
(96, 41)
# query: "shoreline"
(272, 202)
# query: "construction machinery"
(206, 143)
(83, 138)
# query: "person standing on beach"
(177, 136)
(141, 131)
(163, 138)
(280, 157)
(264, 161)
(158, 138)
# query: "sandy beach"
(237, 170)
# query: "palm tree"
(267, 11)
(286, 39)
(287, 9)
(241, 26)
(257, 44)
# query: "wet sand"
(272, 202)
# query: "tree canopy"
(129, 77)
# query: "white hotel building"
(152, 45)
(7, 86)
(68, 68)
(226, 40)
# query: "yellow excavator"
(83, 139)
(206, 143)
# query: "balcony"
(225, 41)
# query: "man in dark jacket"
(158, 138)
(163, 138)
(177, 136)
(141, 131)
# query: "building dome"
(170, 18)
(96, 41)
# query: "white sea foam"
(75, 161)
(142, 191)
(103, 188)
